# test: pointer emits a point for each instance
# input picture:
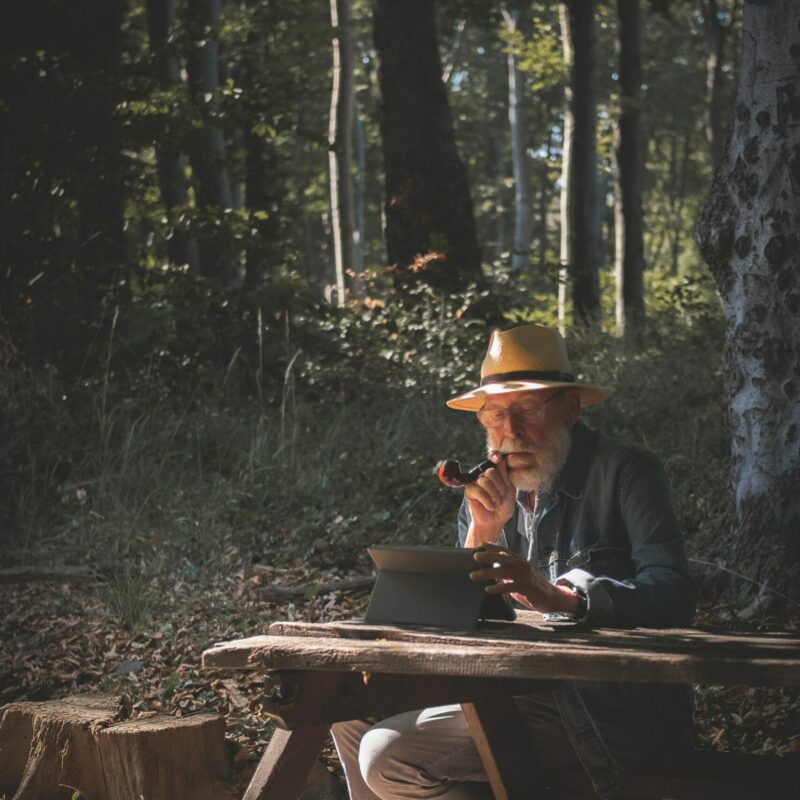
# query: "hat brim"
(474, 400)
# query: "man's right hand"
(491, 501)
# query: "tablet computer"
(428, 585)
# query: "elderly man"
(577, 524)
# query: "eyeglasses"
(526, 413)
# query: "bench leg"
(284, 768)
(500, 736)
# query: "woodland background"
(233, 303)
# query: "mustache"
(513, 446)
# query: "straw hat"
(527, 357)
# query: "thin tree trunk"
(263, 189)
(101, 202)
(544, 202)
(520, 255)
(455, 51)
(678, 202)
(212, 184)
(360, 143)
(170, 162)
(340, 146)
(498, 160)
(579, 246)
(748, 235)
(628, 165)
(428, 204)
(716, 32)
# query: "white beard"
(550, 457)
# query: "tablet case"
(420, 585)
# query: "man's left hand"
(522, 580)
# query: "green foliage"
(541, 55)
(320, 436)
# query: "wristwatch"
(582, 610)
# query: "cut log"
(47, 747)
(169, 757)
(49, 750)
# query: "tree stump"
(49, 750)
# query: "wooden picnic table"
(323, 673)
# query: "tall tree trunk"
(212, 184)
(520, 255)
(579, 245)
(428, 204)
(340, 145)
(678, 199)
(101, 201)
(628, 165)
(455, 52)
(497, 160)
(170, 162)
(749, 234)
(716, 32)
(360, 145)
(544, 200)
(263, 188)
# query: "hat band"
(528, 375)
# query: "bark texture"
(628, 165)
(749, 234)
(579, 234)
(428, 203)
(50, 750)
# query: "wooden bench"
(324, 673)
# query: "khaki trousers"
(429, 754)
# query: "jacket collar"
(572, 480)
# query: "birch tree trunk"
(579, 245)
(340, 146)
(520, 255)
(428, 204)
(170, 162)
(628, 165)
(749, 234)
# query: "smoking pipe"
(453, 474)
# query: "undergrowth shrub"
(317, 432)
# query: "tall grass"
(201, 482)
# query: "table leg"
(284, 768)
(500, 737)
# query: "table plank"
(303, 698)
(532, 628)
(578, 659)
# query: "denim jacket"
(608, 527)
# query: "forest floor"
(60, 639)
